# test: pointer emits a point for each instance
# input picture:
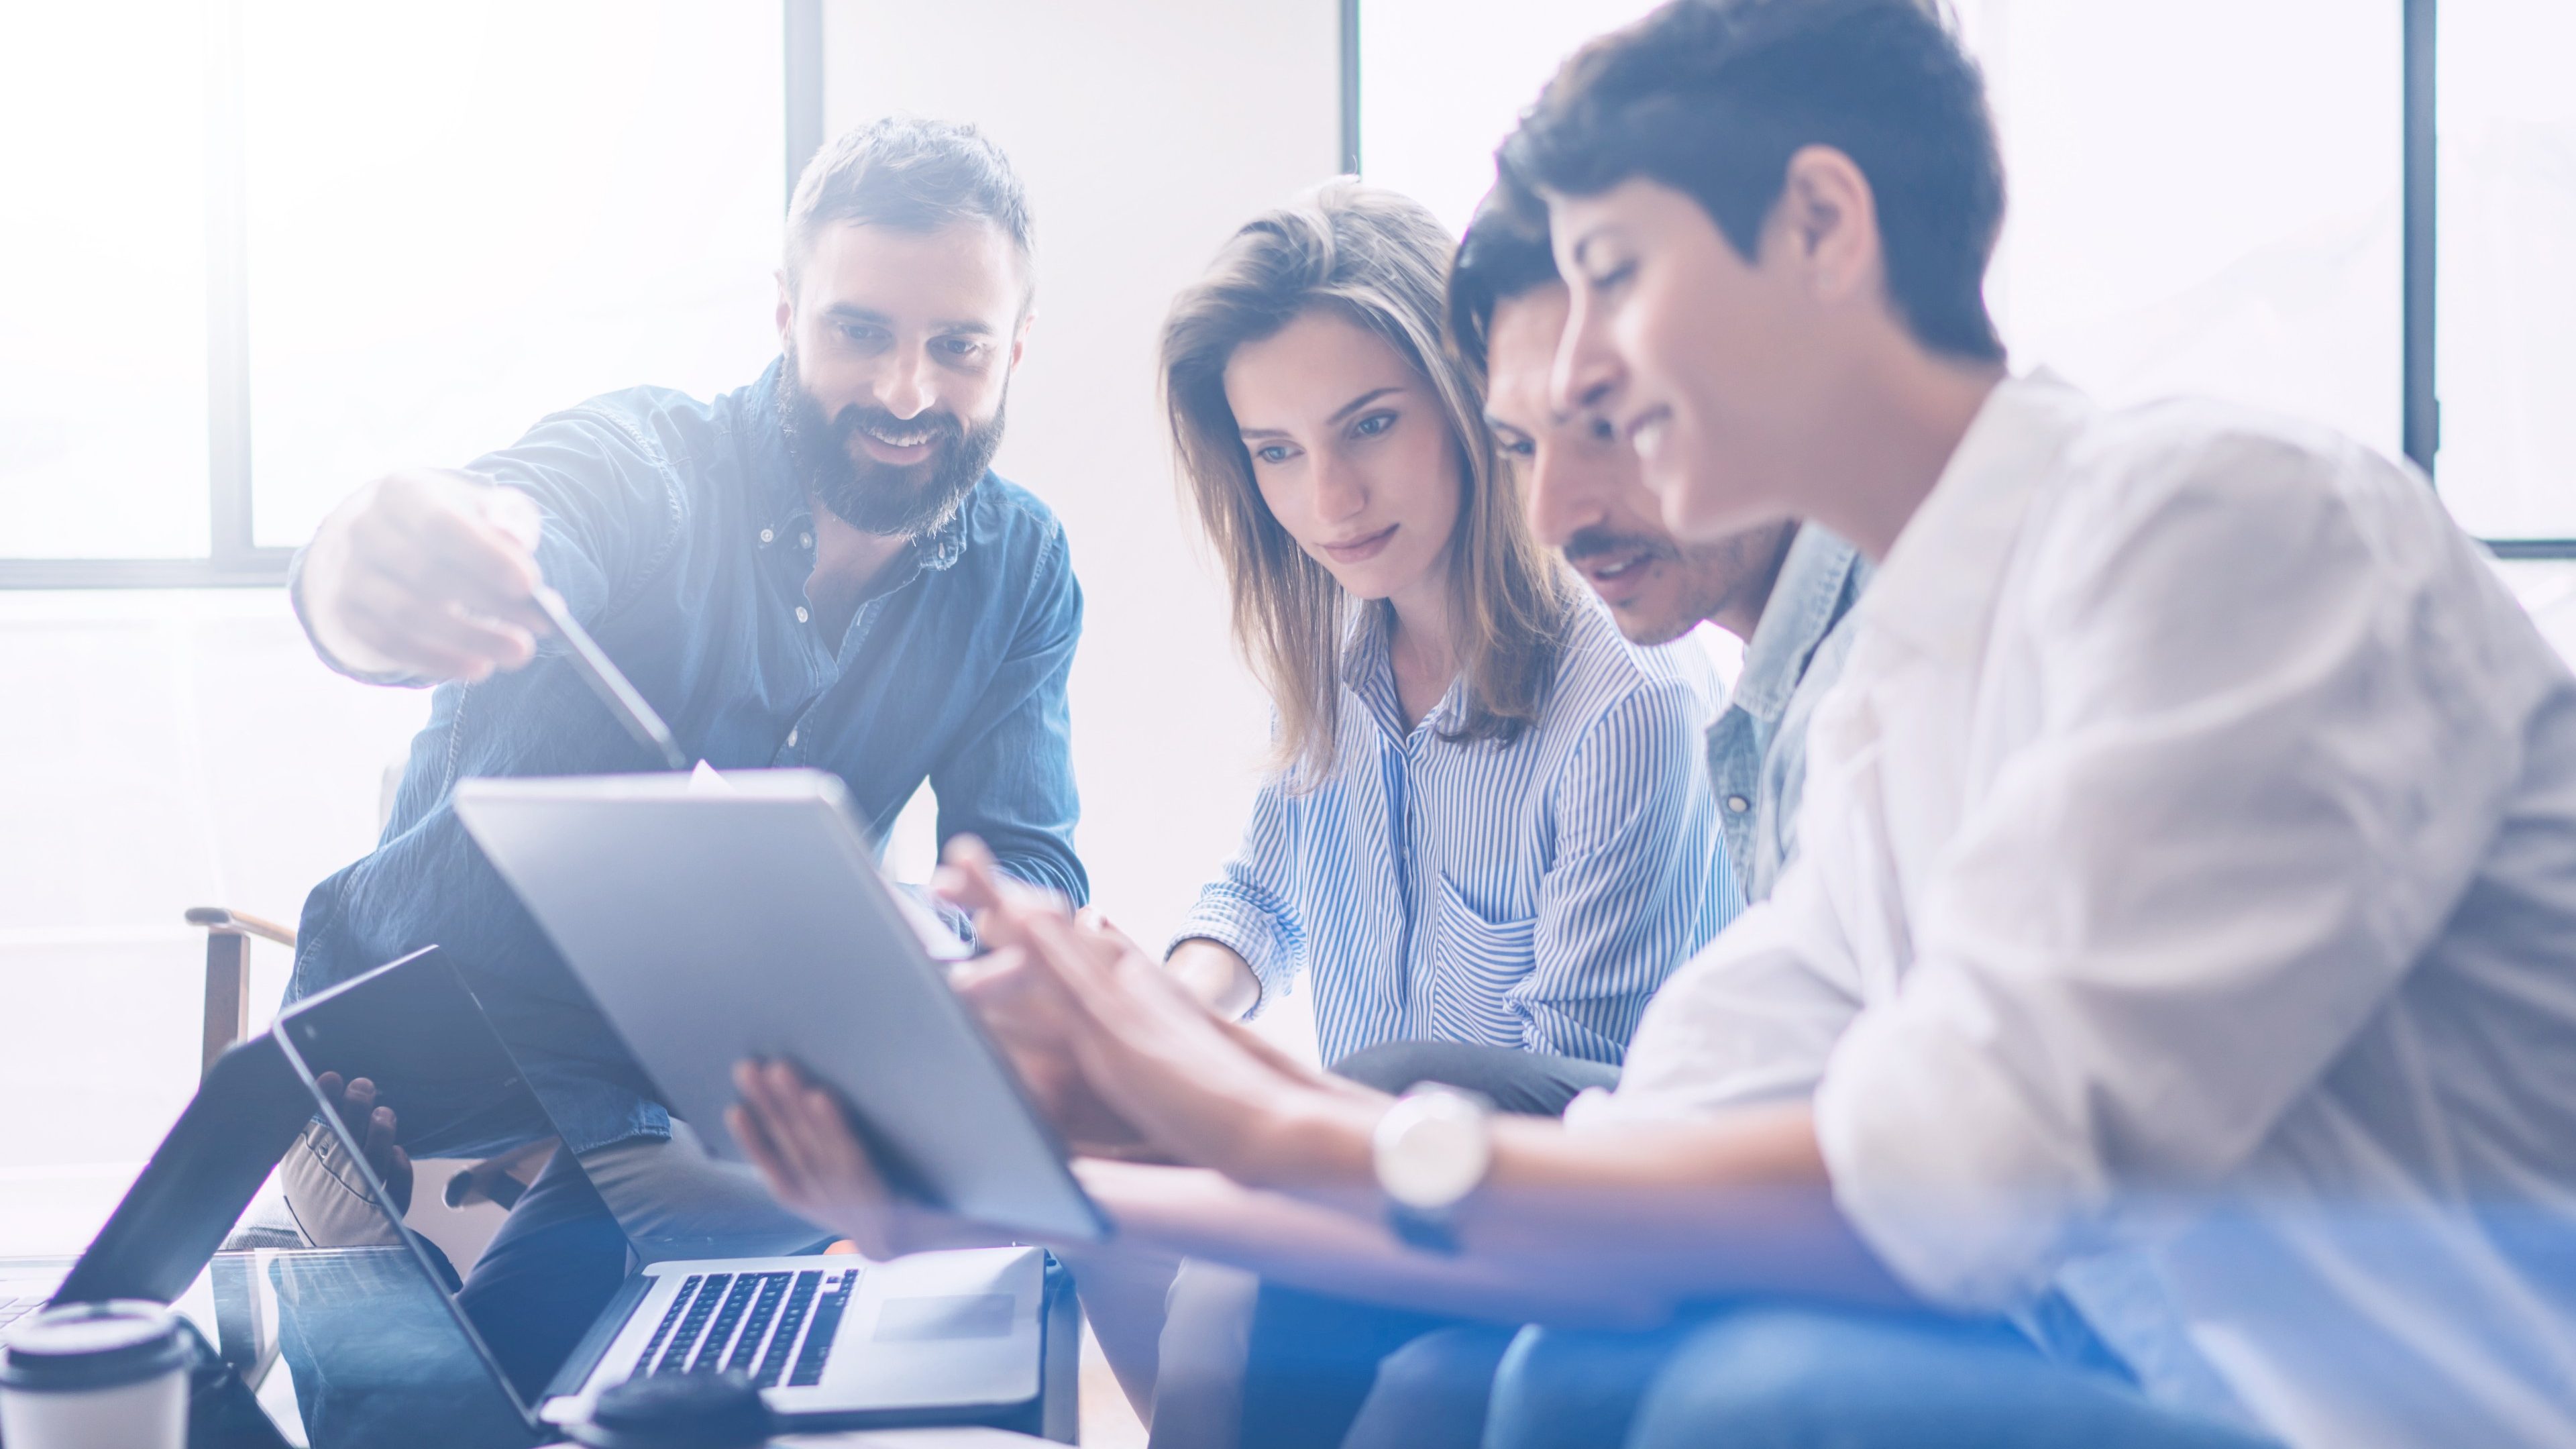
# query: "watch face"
(1432, 1150)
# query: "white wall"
(157, 751)
(1146, 132)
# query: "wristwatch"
(1431, 1150)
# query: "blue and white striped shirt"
(1529, 895)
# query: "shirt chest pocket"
(1475, 962)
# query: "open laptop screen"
(371, 1323)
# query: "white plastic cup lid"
(76, 1347)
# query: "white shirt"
(2189, 879)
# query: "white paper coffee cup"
(95, 1376)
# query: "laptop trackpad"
(946, 1316)
(940, 1328)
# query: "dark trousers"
(1313, 1359)
(557, 1260)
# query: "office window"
(2205, 193)
(1441, 82)
(2505, 122)
(2204, 198)
(279, 246)
(103, 290)
(460, 219)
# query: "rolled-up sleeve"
(1247, 909)
(2263, 777)
(1637, 880)
(1010, 780)
(609, 510)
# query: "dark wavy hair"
(1713, 97)
(1505, 254)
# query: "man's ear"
(1829, 217)
(786, 309)
(1020, 337)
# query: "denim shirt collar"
(1806, 601)
(790, 512)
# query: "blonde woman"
(1487, 823)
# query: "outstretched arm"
(1664, 1211)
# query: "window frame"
(233, 559)
(2423, 399)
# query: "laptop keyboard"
(800, 1302)
(752, 1322)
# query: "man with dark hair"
(1783, 588)
(819, 569)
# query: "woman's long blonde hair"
(1380, 260)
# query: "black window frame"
(234, 559)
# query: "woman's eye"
(1272, 453)
(1372, 425)
(1600, 430)
(1612, 278)
(1519, 448)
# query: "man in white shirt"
(2186, 913)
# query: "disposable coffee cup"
(95, 1376)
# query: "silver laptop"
(832, 1341)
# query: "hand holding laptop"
(1189, 1082)
(1100, 1033)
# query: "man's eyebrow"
(852, 312)
(1584, 242)
(1556, 418)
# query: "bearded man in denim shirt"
(818, 569)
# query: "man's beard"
(895, 500)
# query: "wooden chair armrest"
(217, 918)
(227, 1014)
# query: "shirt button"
(766, 535)
(791, 738)
(801, 615)
(1737, 804)
(804, 540)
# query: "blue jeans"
(1764, 1376)
(1314, 1358)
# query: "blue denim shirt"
(677, 535)
(1757, 749)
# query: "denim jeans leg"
(1801, 1377)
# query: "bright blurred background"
(257, 251)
